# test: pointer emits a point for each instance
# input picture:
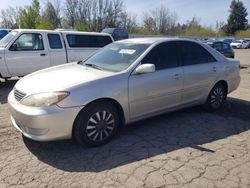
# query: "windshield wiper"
(93, 66)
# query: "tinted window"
(3, 33)
(217, 46)
(28, 42)
(88, 41)
(54, 41)
(163, 56)
(225, 46)
(193, 53)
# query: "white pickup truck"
(24, 51)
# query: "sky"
(207, 11)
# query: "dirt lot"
(188, 148)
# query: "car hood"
(235, 43)
(59, 78)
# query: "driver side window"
(28, 42)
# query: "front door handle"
(214, 69)
(43, 54)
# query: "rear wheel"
(97, 124)
(216, 97)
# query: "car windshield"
(116, 57)
(7, 39)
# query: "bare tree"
(71, 14)
(9, 18)
(194, 22)
(129, 21)
(149, 23)
(160, 20)
(94, 14)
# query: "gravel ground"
(188, 148)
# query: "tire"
(216, 97)
(96, 124)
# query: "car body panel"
(153, 87)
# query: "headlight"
(44, 99)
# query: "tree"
(30, 16)
(129, 22)
(194, 22)
(50, 18)
(149, 23)
(237, 19)
(243, 34)
(71, 14)
(9, 18)
(160, 20)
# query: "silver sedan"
(124, 82)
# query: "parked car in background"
(227, 40)
(124, 82)
(248, 41)
(4, 32)
(25, 51)
(117, 33)
(222, 47)
(240, 44)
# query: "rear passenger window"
(193, 54)
(88, 41)
(163, 56)
(55, 41)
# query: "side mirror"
(145, 68)
(13, 47)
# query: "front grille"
(19, 95)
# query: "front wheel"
(216, 97)
(97, 124)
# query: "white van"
(24, 51)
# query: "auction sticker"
(127, 51)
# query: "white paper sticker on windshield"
(127, 51)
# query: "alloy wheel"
(217, 97)
(100, 126)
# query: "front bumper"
(42, 124)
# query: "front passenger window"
(28, 42)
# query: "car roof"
(61, 31)
(152, 40)
(215, 41)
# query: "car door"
(160, 90)
(27, 54)
(200, 70)
(57, 50)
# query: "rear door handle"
(43, 54)
(177, 76)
